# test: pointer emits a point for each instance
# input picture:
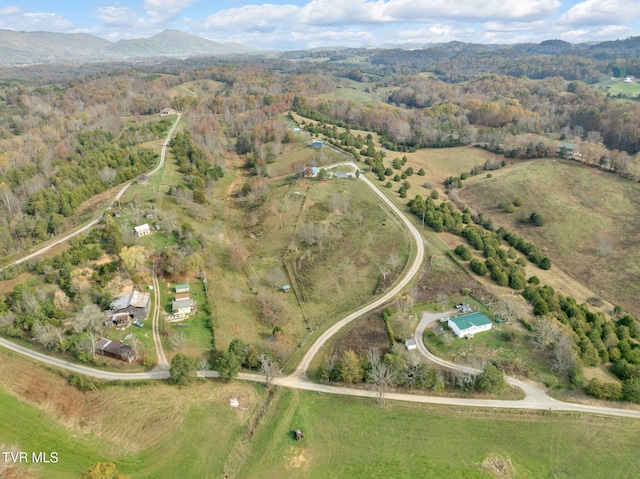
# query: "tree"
(478, 267)
(183, 369)
(537, 219)
(545, 263)
(269, 369)
(631, 390)
(228, 365)
(379, 375)
(203, 366)
(464, 252)
(103, 470)
(350, 367)
(133, 257)
(89, 318)
(421, 172)
(178, 341)
(491, 380)
(546, 334)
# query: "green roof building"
(469, 324)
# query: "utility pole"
(422, 220)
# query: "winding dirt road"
(534, 398)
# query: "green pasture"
(591, 220)
(355, 438)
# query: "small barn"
(142, 230)
(135, 304)
(317, 144)
(410, 344)
(167, 111)
(469, 324)
(115, 349)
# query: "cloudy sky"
(296, 24)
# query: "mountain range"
(31, 48)
(28, 48)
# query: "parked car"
(138, 323)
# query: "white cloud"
(472, 10)
(252, 18)
(117, 16)
(602, 12)
(498, 26)
(338, 12)
(9, 10)
(28, 21)
(160, 12)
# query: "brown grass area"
(365, 334)
(125, 419)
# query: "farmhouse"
(167, 111)
(469, 324)
(182, 307)
(115, 349)
(135, 304)
(142, 230)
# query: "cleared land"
(591, 220)
(343, 439)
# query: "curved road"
(90, 225)
(535, 399)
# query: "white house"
(182, 307)
(469, 324)
(142, 230)
(167, 111)
(628, 79)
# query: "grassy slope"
(149, 431)
(583, 208)
(348, 437)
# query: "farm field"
(155, 430)
(341, 440)
(591, 220)
(148, 430)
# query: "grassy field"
(591, 220)
(149, 431)
(157, 431)
(349, 437)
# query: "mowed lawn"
(592, 220)
(355, 438)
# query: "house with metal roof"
(182, 288)
(469, 324)
(136, 304)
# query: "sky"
(302, 24)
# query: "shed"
(142, 230)
(115, 349)
(410, 344)
(469, 324)
(182, 288)
(286, 288)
